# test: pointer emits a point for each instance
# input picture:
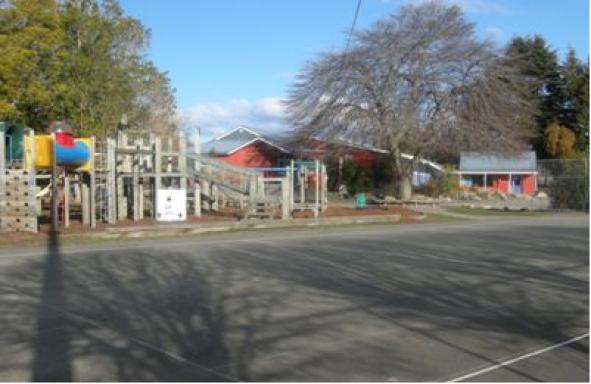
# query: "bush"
(568, 187)
(358, 179)
(569, 192)
(383, 174)
(332, 171)
(444, 184)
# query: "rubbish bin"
(360, 201)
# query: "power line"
(353, 24)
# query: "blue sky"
(231, 61)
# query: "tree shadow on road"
(214, 313)
(141, 316)
(445, 286)
(136, 316)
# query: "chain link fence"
(566, 182)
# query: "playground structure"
(136, 175)
(38, 166)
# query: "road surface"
(490, 300)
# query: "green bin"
(360, 201)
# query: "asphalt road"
(489, 300)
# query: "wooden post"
(54, 188)
(197, 145)
(111, 181)
(3, 196)
(122, 165)
(121, 201)
(82, 182)
(205, 191)
(2, 165)
(252, 186)
(340, 173)
(92, 183)
(66, 199)
(84, 198)
(215, 198)
(157, 172)
(285, 201)
(324, 190)
(291, 184)
(2, 151)
(31, 165)
(140, 199)
(197, 200)
(260, 186)
(316, 188)
(136, 158)
(169, 162)
(140, 185)
(302, 179)
(182, 163)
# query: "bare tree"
(414, 82)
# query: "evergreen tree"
(575, 98)
(539, 67)
(560, 91)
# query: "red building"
(500, 172)
(362, 154)
(244, 147)
(320, 149)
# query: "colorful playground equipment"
(136, 175)
(35, 166)
(13, 141)
(72, 153)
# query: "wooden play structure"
(135, 175)
(132, 168)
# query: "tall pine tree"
(575, 98)
(538, 65)
(560, 91)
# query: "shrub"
(358, 179)
(569, 192)
(443, 184)
(560, 141)
(569, 187)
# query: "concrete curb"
(201, 228)
(188, 229)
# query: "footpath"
(10, 240)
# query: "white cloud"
(214, 118)
(475, 6)
(494, 32)
(481, 6)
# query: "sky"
(232, 61)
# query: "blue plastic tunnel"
(75, 156)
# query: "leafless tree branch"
(415, 82)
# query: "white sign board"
(171, 205)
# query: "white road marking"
(518, 358)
